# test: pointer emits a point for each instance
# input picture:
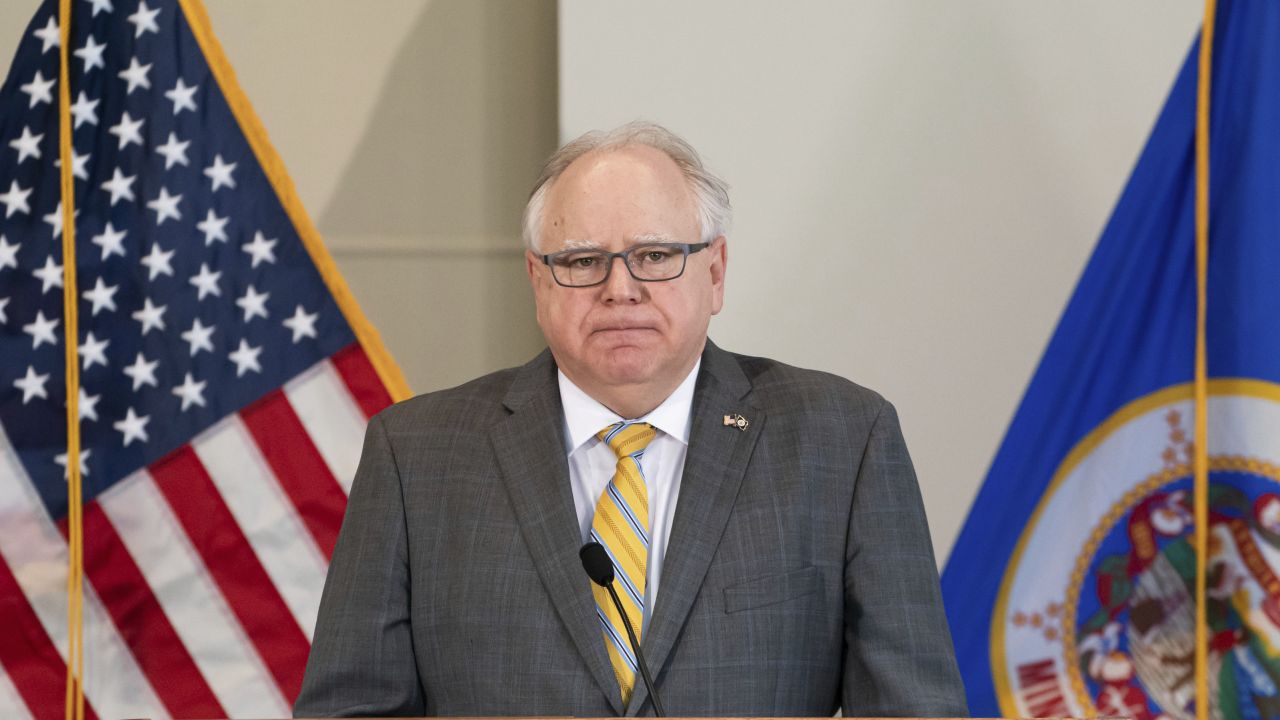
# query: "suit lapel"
(713, 471)
(529, 446)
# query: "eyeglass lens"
(645, 262)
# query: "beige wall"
(918, 183)
(412, 129)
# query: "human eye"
(577, 260)
(655, 254)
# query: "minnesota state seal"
(1096, 612)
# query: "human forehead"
(612, 196)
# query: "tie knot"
(627, 438)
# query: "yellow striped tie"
(621, 525)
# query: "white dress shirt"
(592, 462)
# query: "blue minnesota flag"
(1071, 589)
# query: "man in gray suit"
(765, 521)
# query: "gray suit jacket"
(799, 575)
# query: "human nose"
(620, 286)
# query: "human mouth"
(622, 331)
(616, 328)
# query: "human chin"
(623, 364)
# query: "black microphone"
(600, 569)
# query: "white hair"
(710, 193)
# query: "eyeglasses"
(651, 262)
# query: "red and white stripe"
(203, 571)
(11, 705)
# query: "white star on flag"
(128, 130)
(206, 282)
(157, 262)
(84, 110)
(191, 392)
(15, 200)
(253, 303)
(213, 227)
(50, 275)
(79, 167)
(110, 240)
(32, 386)
(260, 249)
(28, 146)
(120, 186)
(54, 220)
(302, 324)
(174, 152)
(142, 372)
(4, 318)
(100, 6)
(91, 54)
(61, 459)
(39, 89)
(93, 351)
(246, 358)
(198, 337)
(102, 296)
(41, 330)
(133, 426)
(220, 173)
(88, 405)
(151, 316)
(8, 253)
(136, 76)
(49, 35)
(183, 97)
(166, 206)
(144, 20)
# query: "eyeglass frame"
(686, 249)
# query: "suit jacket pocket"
(772, 589)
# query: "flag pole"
(1201, 459)
(74, 708)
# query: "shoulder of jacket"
(775, 383)
(476, 402)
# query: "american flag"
(226, 379)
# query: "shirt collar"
(584, 416)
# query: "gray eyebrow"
(647, 238)
(643, 239)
